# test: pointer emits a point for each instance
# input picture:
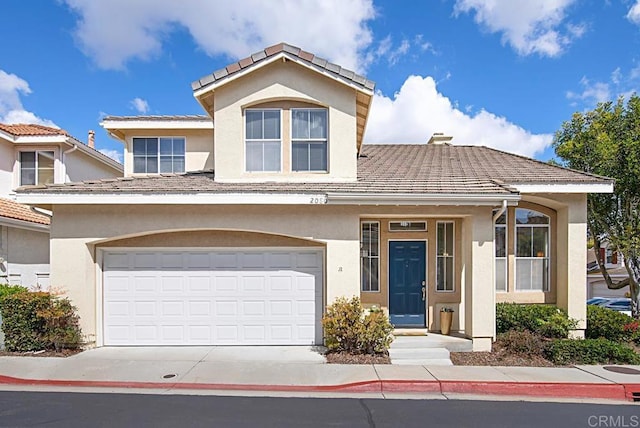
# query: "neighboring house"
(614, 262)
(38, 155)
(243, 234)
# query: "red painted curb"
(530, 389)
(537, 389)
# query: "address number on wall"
(318, 200)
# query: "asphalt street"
(57, 409)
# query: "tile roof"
(26, 129)
(296, 52)
(160, 118)
(13, 210)
(394, 168)
(433, 162)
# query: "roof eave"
(592, 187)
(455, 199)
(208, 87)
(23, 224)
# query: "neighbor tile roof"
(294, 51)
(160, 118)
(417, 169)
(13, 210)
(26, 129)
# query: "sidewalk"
(299, 369)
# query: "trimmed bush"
(607, 323)
(8, 290)
(347, 328)
(590, 351)
(38, 320)
(545, 320)
(521, 342)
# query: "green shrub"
(38, 320)
(545, 320)
(8, 290)
(590, 351)
(521, 342)
(607, 323)
(347, 328)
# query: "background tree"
(606, 142)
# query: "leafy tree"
(606, 142)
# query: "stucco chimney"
(91, 141)
(440, 138)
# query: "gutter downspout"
(64, 164)
(501, 211)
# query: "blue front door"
(406, 279)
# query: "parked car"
(621, 305)
(598, 301)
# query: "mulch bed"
(62, 354)
(348, 358)
(498, 357)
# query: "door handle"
(424, 293)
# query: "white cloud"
(594, 92)
(634, 13)
(113, 32)
(12, 88)
(620, 83)
(418, 110)
(529, 26)
(113, 154)
(140, 105)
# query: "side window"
(532, 250)
(309, 139)
(445, 256)
(152, 155)
(500, 244)
(370, 256)
(263, 141)
(36, 168)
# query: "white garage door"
(239, 297)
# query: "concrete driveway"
(264, 354)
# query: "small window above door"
(407, 226)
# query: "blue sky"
(501, 73)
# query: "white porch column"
(479, 293)
(572, 260)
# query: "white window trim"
(56, 179)
(245, 140)
(301, 140)
(369, 257)
(406, 230)
(516, 258)
(505, 226)
(452, 256)
(133, 156)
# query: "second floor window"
(309, 139)
(263, 141)
(153, 155)
(36, 168)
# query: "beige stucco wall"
(198, 146)
(79, 166)
(7, 160)
(27, 256)
(285, 81)
(76, 230)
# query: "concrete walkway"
(302, 369)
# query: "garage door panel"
(216, 297)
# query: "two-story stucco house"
(242, 233)
(38, 155)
